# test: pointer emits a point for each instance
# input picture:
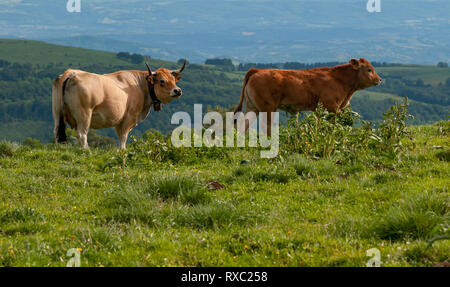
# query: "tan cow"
(121, 100)
(266, 90)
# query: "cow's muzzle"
(176, 93)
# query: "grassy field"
(141, 207)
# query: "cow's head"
(165, 83)
(367, 77)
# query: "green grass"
(290, 211)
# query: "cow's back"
(287, 89)
(98, 95)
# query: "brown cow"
(121, 100)
(266, 90)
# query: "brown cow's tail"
(57, 108)
(246, 79)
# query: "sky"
(406, 31)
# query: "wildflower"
(79, 249)
(11, 252)
(74, 207)
(52, 194)
(245, 246)
(6, 204)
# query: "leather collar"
(155, 100)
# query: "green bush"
(7, 149)
(322, 134)
(33, 143)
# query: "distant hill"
(41, 53)
(27, 69)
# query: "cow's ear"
(354, 63)
(177, 76)
(151, 79)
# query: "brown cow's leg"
(250, 107)
(250, 121)
(333, 108)
(266, 124)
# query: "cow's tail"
(58, 90)
(246, 79)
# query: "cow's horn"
(181, 69)
(149, 70)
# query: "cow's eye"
(163, 82)
(369, 70)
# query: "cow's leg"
(250, 107)
(124, 129)
(250, 121)
(266, 125)
(83, 119)
(123, 136)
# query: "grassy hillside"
(155, 205)
(40, 53)
(27, 69)
(34, 52)
(429, 74)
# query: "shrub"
(323, 134)
(33, 143)
(7, 149)
(392, 130)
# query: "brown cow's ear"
(150, 79)
(177, 76)
(354, 63)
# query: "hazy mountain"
(258, 30)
